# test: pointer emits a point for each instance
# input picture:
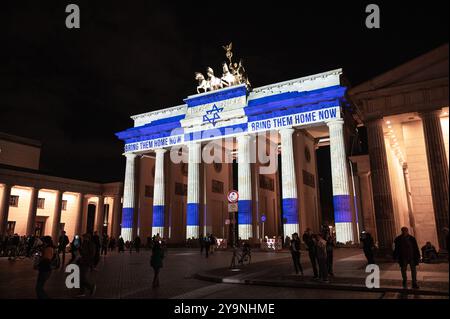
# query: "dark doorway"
(325, 186)
(90, 218)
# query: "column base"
(127, 234)
(289, 229)
(344, 232)
(192, 231)
(245, 231)
(158, 230)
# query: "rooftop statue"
(233, 74)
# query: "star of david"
(212, 115)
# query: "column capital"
(335, 122)
(160, 151)
(130, 155)
(430, 113)
(286, 131)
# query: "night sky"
(73, 89)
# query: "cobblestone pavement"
(129, 276)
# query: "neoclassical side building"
(405, 112)
(35, 203)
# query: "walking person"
(121, 244)
(63, 241)
(201, 243)
(368, 246)
(321, 249)
(112, 244)
(86, 263)
(44, 267)
(105, 241)
(406, 252)
(310, 244)
(96, 240)
(295, 253)
(212, 243)
(137, 243)
(156, 261)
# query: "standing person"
(86, 262)
(105, 241)
(137, 243)
(406, 252)
(447, 241)
(156, 261)
(75, 248)
(96, 240)
(329, 238)
(212, 243)
(121, 244)
(321, 249)
(112, 244)
(206, 243)
(63, 241)
(44, 267)
(309, 242)
(295, 253)
(202, 243)
(368, 246)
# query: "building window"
(14, 201)
(217, 187)
(41, 203)
(266, 183)
(10, 228)
(64, 204)
(180, 189)
(149, 191)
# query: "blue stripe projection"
(192, 218)
(290, 211)
(158, 216)
(127, 217)
(244, 212)
(342, 210)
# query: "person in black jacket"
(406, 252)
(309, 242)
(86, 262)
(368, 246)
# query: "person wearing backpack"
(44, 267)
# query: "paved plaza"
(186, 274)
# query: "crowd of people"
(87, 249)
(320, 248)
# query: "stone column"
(244, 188)
(289, 183)
(381, 187)
(438, 170)
(4, 209)
(193, 191)
(128, 198)
(339, 178)
(80, 210)
(100, 214)
(158, 194)
(32, 211)
(57, 216)
(115, 227)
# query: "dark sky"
(74, 88)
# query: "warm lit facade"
(33, 203)
(405, 112)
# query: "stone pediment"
(431, 67)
